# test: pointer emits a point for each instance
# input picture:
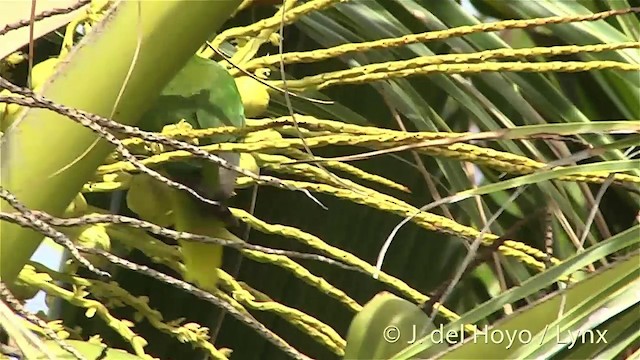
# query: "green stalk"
(46, 157)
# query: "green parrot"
(205, 95)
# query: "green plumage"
(202, 93)
(205, 95)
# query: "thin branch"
(201, 294)
(43, 15)
(174, 235)
(27, 219)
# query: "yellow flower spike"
(262, 135)
(501, 161)
(305, 275)
(350, 169)
(198, 336)
(339, 254)
(273, 22)
(378, 72)
(270, 140)
(319, 331)
(29, 276)
(425, 220)
(231, 301)
(323, 54)
(181, 129)
(323, 124)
